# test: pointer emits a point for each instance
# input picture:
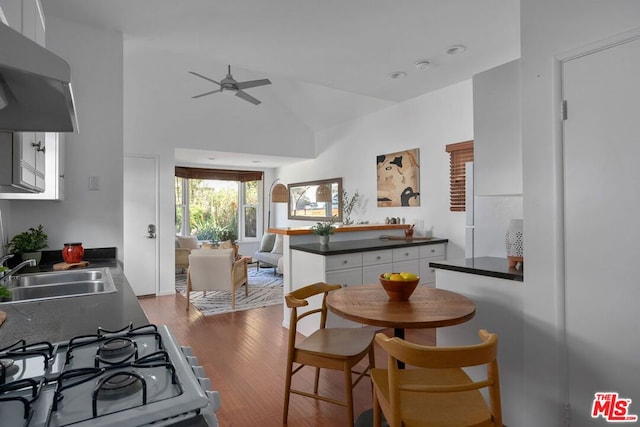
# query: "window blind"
(218, 174)
(459, 154)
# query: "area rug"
(265, 289)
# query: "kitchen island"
(361, 261)
(498, 293)
(59, 319)
(482, 266)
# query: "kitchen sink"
(60, 284)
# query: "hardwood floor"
(244, 355)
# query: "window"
(217, 204)
(459, 154)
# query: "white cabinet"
(26, 17)
(356, 268)
(406, 259)
(430, 253)
(375, 263)
(12, 11)
(27, 165)
(346, 270)
(53, 175)
(497, 129)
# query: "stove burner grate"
(115, 351)
(119, 385)
(21, 350)
(26, 386)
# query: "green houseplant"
(324, 230)
(348, 204)
(29, 244)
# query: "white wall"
(160, 116)
(91, 217)
(428, 122)
(551, 28)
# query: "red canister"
(72, 252)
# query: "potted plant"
(29, 244)
(324, 230)
(348, 204)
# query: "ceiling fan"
(230, 86)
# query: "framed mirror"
(316, 200)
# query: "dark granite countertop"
(57, 320)
(483, 266)
(364, 245)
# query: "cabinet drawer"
(403, 254)
(428, 251)
(341, 262)
(377, 257)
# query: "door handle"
(151, 231)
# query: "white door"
(602, 235)
(140, 224)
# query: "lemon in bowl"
(399, 286)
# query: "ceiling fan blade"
(207, 93)
(204, 77)
(247, 97)
(253, 83)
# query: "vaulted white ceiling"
(329, 60)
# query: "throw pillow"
(188, 242)
(277, 246)
(267, 242)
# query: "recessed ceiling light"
(456, 49)
(423, 65)
(397, 75)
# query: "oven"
(131, 377)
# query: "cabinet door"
(33, 21)
(411, 266)
(371, 273)
(27, 149)
(12, 10)
(497, 144)
(404, 254)
(377, 257)
(430, 251)
(344, 261)
(40, 152)
(351, 276)
(428, 274)
(24, 170)
(53, 172)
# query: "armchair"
(184, 246)
(211, 270)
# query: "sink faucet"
(4, 259)
(6, 278)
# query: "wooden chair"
(216, 269)
(438, 392)
(327, 348)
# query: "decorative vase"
(37, 256)
(324, 240)
(72, 252)
(514, 243)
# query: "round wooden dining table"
(426, 308)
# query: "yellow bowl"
(399, 290)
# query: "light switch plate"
(94, 183)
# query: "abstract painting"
(399, 178)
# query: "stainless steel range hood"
(35, 86)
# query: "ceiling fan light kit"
(230, 86)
